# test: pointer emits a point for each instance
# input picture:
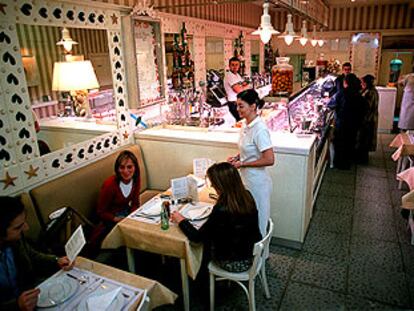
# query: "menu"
(75, 244)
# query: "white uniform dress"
(254, 139)
(231, 79)
(406, 121)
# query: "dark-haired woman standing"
(256, 152)
(232, 228)
(367, 136)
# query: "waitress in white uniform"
(256, 152)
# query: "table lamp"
(76, 77)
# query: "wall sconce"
(76, 77)
(265, 29)
(289, 34)
(66, 40)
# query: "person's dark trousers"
(233, 110)
(344, 144)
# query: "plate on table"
(198, 211)
(117, 304)
(151, 208)
(56, 291)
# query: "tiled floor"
(356, 255)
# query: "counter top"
(70, 123)
(283, 142)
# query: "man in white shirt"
(234, 84)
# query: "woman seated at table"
(119, 195)
(233, 226)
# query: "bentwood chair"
(260, 254)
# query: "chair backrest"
(260, 250)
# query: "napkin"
(102, 302)
(153, 208)
(197, 212)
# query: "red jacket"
(111, 200)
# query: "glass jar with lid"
(282, 76)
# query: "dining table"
(148, 236)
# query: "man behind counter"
(234, 84)
(21, 267)
(346, 69)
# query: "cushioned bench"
(80, 188)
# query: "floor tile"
(372, 210)
(339, 178)
(327, 243)
(379, 285)
(375, 229)
(334, 204)
(370, 172)
(279, 264)
(333, 222)
(355, 303)
(342, 190)
(408, 259)
(365, 253)
(322, 271)
(301, 296)
(369, 194)
(377, 183)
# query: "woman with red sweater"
(119, 196)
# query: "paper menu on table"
(192, 188)
(200, 166)
(179, 187)
(75, 244)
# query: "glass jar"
(282, 76)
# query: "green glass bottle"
(165, 215)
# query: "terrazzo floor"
(356, 256)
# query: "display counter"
(60, 132)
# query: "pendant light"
(265, 29)
(321, 42)
(314, 40)
(289, 35)
(66, 40)
(304, 34)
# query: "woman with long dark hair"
(367, 135)
(232, 227)
(349, 108)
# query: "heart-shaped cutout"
(55, 163)
(122, 117)
(16, 99)
(4, 155)
(118, 65)
(114, 140)
(119, 76)
(7, 57)
(57, 13)
(106, 143)
(81, 16)
(99, 146)
(121, 103)
(81, 153)
(27, 149)
(24, 133)
(20, 117)
(1, 124)
(4, 38)
(120, 90)
(90, 149)
(26, 9)
(68, 158)
(3, 140)
(92, 17)
(11, 78)
(71, 15)
(117, 51)
(101, 18)
(116, 39)
(43, 12)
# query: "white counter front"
(169, 152)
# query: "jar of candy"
(282, 76)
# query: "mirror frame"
(21, 167)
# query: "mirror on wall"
(54, 110)
(215, 53)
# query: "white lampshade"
(289, 33)
(314, 40)
(74, 76)
(265, 29)
(304, 34)
(321, 42)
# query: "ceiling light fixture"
(289, 33)
(265, 29)
(304, 34)
(321, 42)
(66, 40)
(314, 40)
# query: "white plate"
(117, 304)
(197, 212)
(56, 291)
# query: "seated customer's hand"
(65, 264)
(27, 300)
(177, 217)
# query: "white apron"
(254, 139)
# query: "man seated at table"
(21, 267)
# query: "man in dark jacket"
(21, 267)
(339, 82)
